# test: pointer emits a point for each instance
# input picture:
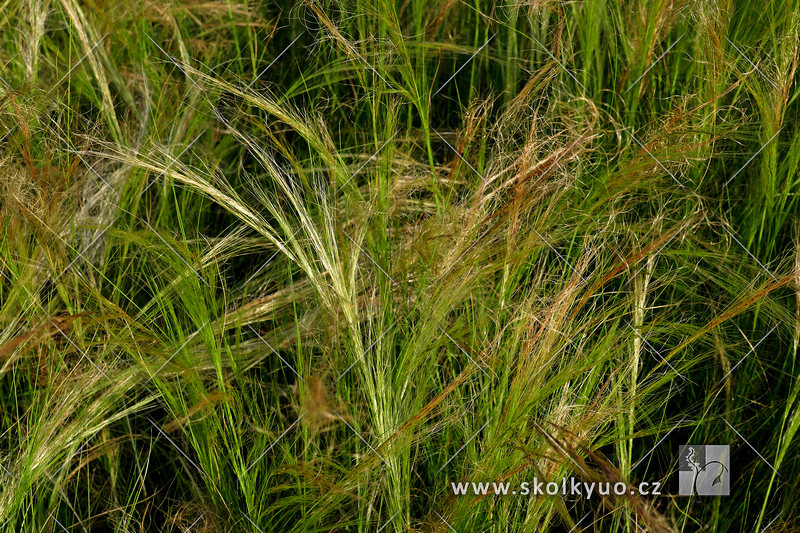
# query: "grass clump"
(301, 266)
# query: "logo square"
(704, 470)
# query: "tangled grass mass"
(302, 266)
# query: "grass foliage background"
(298, 266)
